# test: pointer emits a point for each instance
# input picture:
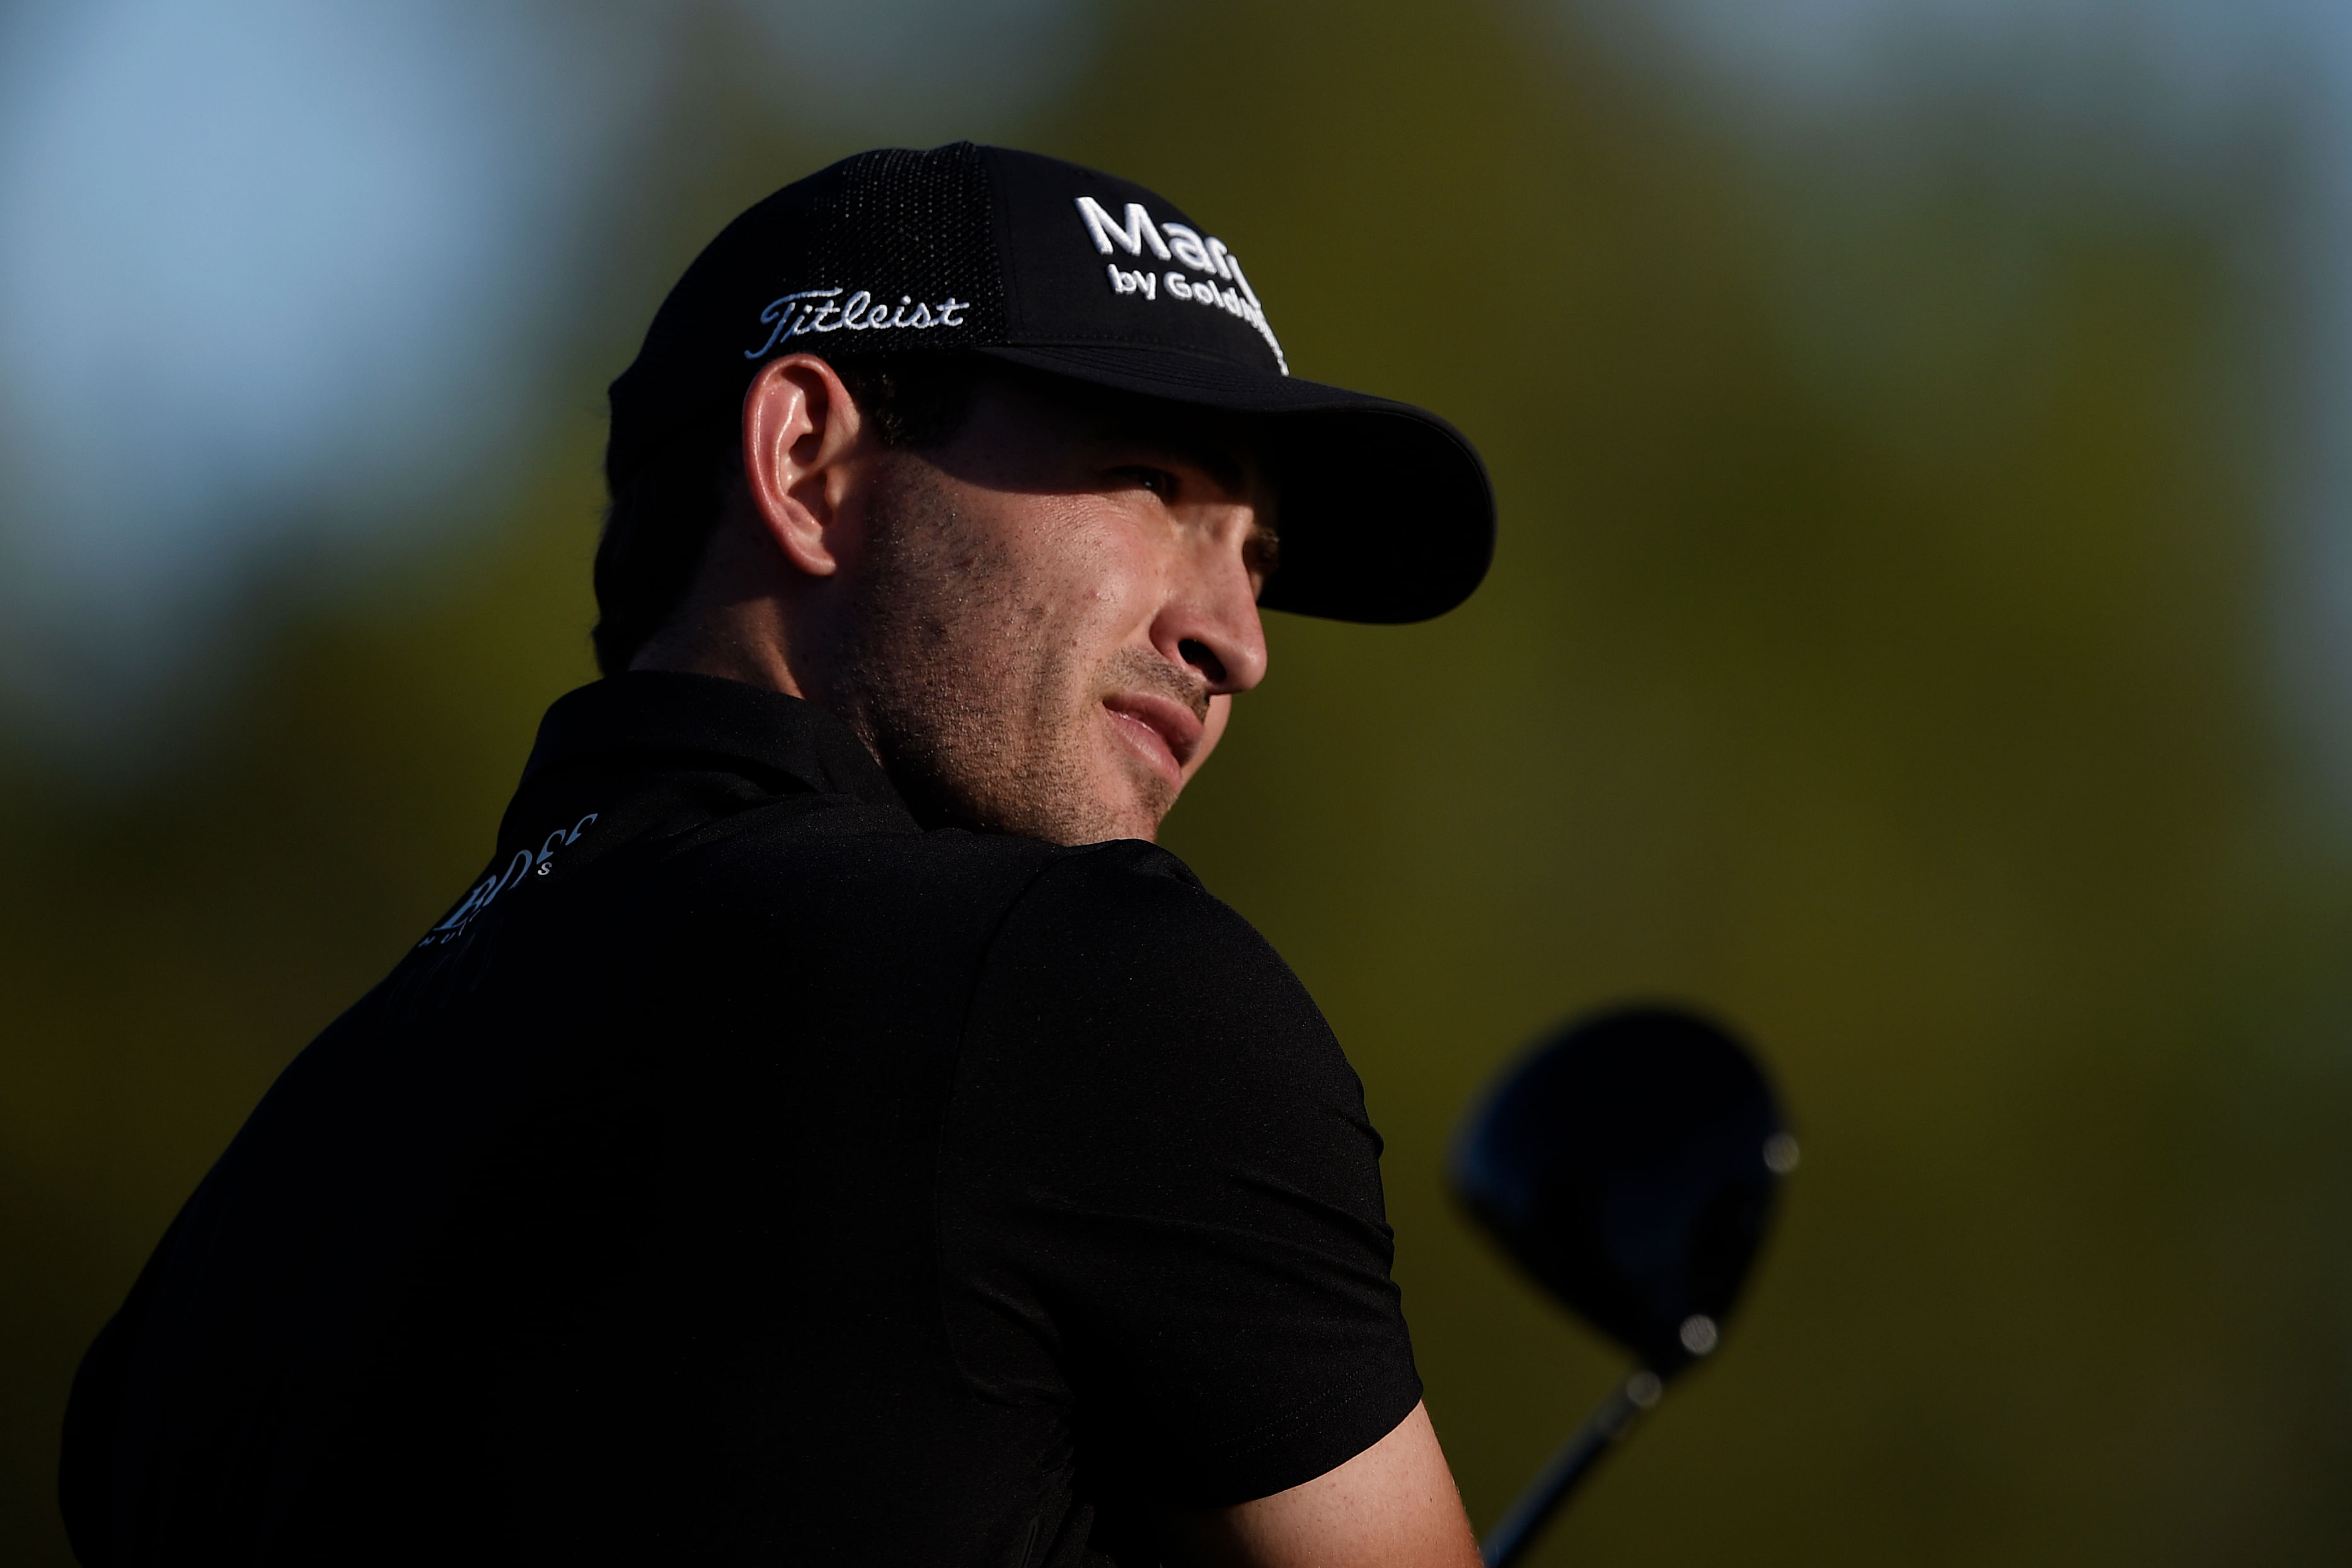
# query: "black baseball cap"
(1386, 515)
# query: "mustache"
(1132, 669)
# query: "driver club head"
(1629, 1162)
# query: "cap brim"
(1387, 514)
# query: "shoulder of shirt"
(1122, 871)
(1131, 908)
(1116, 974)
(752, 853)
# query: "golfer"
(828, 1131)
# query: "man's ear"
(800, 428)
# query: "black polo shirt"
(741, 1172)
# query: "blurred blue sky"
(260, 261)
(282, 277)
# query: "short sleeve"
(1160, 1194)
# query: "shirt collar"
(667, 710)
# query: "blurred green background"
(1883, 651)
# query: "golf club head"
(1628, 1164)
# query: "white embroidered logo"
(1134, 232)
(524, 862)
(815, 310)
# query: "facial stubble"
(954, 673)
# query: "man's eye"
(1159, 481)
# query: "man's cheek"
(1091, 595)
(1112, 569)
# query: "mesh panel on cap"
(894, 223)
(903, 219)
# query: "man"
(829, 1131)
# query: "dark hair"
(658, 525)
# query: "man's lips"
(1167, 733)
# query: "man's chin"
(1066, 819)
(1102, 826)
(1118, 796)
(1120, 812)
(1137, 799)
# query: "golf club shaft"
(1510, 1540)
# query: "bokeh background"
(1922, 633)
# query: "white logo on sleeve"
(1220, 284)
(484, 893)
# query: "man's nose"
(1210, 622)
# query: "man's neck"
(738, 641)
